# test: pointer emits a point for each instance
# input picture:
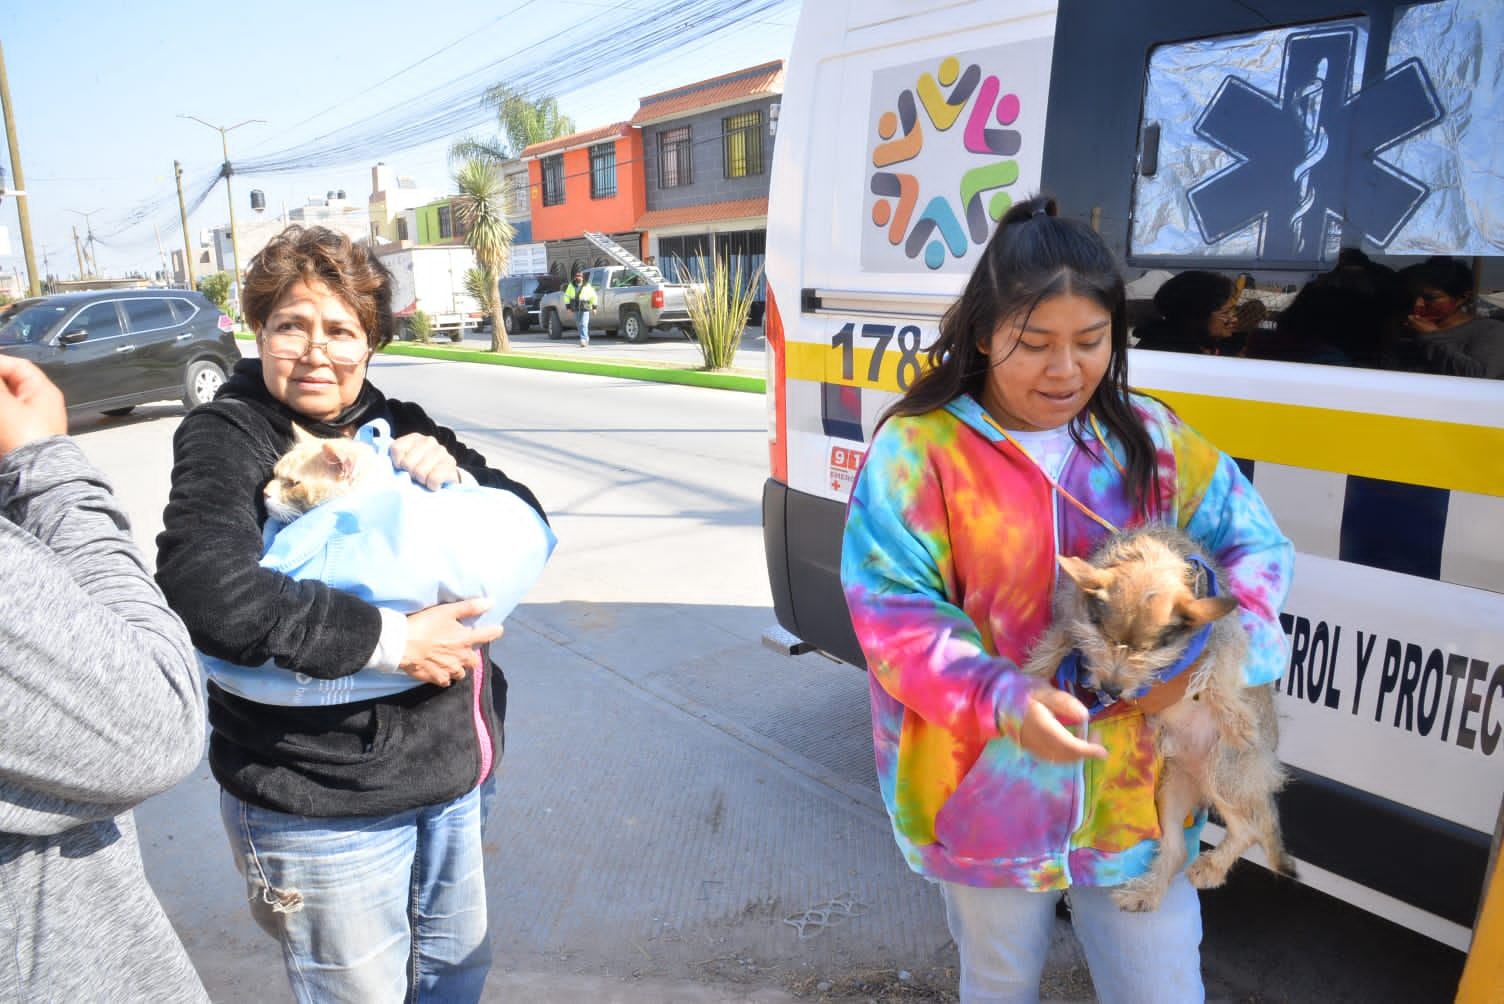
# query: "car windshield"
(511, 288)
(23, 325)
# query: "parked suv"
(519, 299)
(110, 350)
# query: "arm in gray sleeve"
(100, 705)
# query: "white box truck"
(432, 279)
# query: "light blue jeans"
(370, 909)
(1004, 937)
(583, 317)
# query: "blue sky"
(97, 87)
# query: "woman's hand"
(440, 646)
(426, 460)
(31, 406)
(1422, 325)
(1044, 732)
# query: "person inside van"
(1198, 312)
(1345, 317)
(1020, 442)
(1450, 336)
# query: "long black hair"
(1036, 255)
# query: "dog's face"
(1135, 617)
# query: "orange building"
(591, 180)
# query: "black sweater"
(418, 747)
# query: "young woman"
(357, 826)
(1198, 312)
(1023, 440)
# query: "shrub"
(719, 308)
(421, 325)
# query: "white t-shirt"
(1049, 448)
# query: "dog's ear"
(1206, 609)
(1088, 577)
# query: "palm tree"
(520, 122)
(481, 208)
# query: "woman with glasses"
(357, 826)
(1198, 313)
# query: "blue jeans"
(583, 318)
(1135, 958)
(370, 909)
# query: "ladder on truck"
(625, 257)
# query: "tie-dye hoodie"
(948, 565)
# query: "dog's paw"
(1138, 896)
(1205, 873)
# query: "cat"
(314, 471)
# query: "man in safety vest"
(580, 297)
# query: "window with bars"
(743, 140)
(603, 171)
(674, 158)
(446, 222)
(553, 179)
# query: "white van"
(1251, 139)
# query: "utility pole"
(166, 272)
(177, 170)
(226, 170)
(90, 255)
(23, 210)
(80, 249)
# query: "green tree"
(481, 208)
(520, 122)
(216, 289)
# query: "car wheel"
(201, 381)
(509, 321)
(555, 326)
(632, 328)
(118, 412)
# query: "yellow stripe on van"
(1413, 451)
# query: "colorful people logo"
(947, 98)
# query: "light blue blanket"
(398, 545)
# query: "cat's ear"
(339, 459)
(302, 435)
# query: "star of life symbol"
(1309, 154)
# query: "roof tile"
(738, 85)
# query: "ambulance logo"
(1308, 155)
(944, 160)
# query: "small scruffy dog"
(1145, 602)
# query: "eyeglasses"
(345, 347)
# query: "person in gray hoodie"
(100, 709)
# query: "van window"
(1237, 161)
(148, 314)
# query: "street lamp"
(227, 171)
(91, 256)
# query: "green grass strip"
(667, 373)
(656, 371)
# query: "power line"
(451, 108)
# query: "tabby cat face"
(314, 471)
